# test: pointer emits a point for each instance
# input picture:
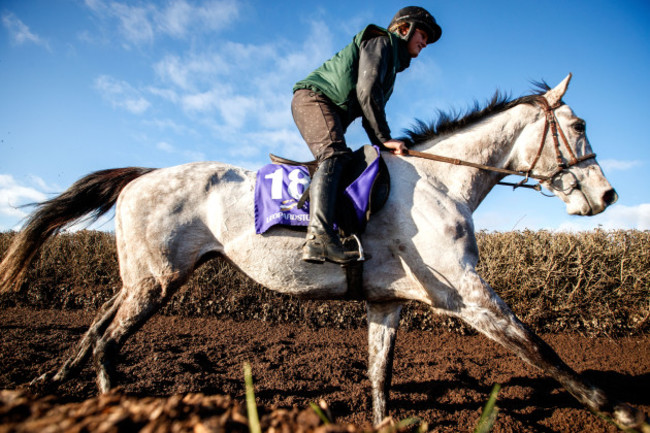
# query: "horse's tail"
(91, 196)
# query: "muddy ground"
(440, 377)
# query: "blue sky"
(88, 85)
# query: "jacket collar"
(404, 56)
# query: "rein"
(551, 124)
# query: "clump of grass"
(490, 412)
(251, 405)
(320, 413)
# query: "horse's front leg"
(485, 311)
(383, 319)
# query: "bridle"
(551, 124)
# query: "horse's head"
(563, 158)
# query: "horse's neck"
(489, 142)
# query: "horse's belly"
(274, 262)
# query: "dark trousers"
(319, 123)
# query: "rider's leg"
(323, 242)
(320, 124)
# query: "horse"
(422, 244)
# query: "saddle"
(353, 212)
(352, 215)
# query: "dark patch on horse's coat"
(178, 208)
(229, 175)
(232, 176)
(457, 231)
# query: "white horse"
(422, 244)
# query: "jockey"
(356, 82)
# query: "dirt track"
(441, 377)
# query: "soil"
(441, 377)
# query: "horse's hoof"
(631, 417)
(42, 379)
(43, 384)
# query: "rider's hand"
(397, 146)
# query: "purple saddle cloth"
(279, 187)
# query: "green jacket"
(359, 79)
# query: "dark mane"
(451, 122)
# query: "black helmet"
(420, 18)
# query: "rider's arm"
(374, 56)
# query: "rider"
(356, 82)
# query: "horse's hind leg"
(75, 361)
(486, 312)
(138, 305)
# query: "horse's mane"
(449, 122)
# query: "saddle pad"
(360, 190)
(278, 188)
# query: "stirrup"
(359, 247)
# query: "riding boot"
(322, 242)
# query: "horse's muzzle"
(610, 197)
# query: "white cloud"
(610, 165)
(141, 24)
(20, 32)
(192, 72)
(13, 195)
(231, 89)
(235, 109)
(283, 142)
(44, 186)
(253, 87)
(165, 147)
(173, 126)
(288, 66)
(175, 18)
(180, 18)
(121, 94)
(616, 217)
(15, 198)
(167, 94)
(201, 102)
(133, 22)
(188, 155)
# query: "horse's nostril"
(610, 196)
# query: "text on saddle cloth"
(279, 187)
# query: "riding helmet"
(420, 18)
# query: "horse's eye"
(580, 127)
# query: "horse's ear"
(554, 95)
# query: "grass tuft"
(490, 412)
(251, 406)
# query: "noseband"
(551, 124)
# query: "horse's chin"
(582, 211)
(577, 204)
(581, 206)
